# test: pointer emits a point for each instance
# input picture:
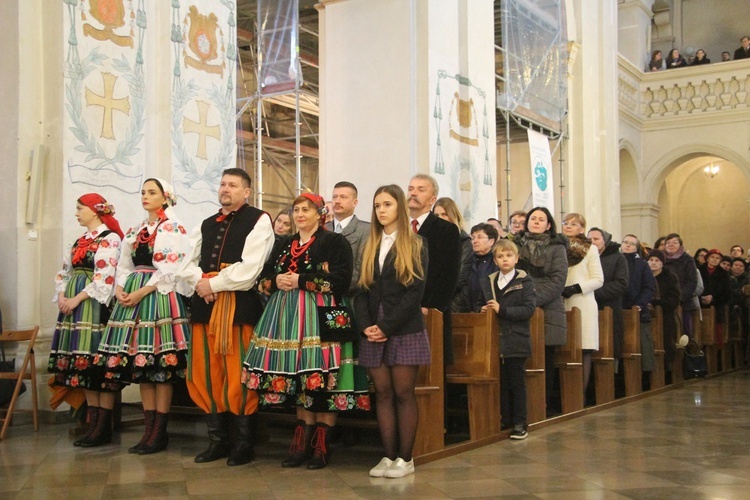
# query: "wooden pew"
(535, 386)
(725, 351)
(657, 333)
(631, 351)
(429, 390)
(569, 361)
(603, 360)
(708, 339)
(679, 352)
(476, 364)
(735, 339)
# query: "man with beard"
(228, 253)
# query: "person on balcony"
(656, 63)
(700, 58)
(744, 51)
(675, 60)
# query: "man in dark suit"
(345, 222)
(744, 51)
(444, 253)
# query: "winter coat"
(616, 277)
(684, 268)
(641, 286)
(718, 285)
(517, 304)
(549, 270)
(667, 295)
(587, 274)
(472, 297)
(464, 273)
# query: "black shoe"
(103, 432)
(93, 416)
(300, 450)
(243, 444)
(518, 432)
(149, 416)
(320, 442)
(218, 433)
(159, 439)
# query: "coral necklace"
(296, 251)
(144, 238)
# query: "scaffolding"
(531, 74)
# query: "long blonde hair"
(408, 246)
(452, 210)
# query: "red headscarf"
(104, 210)
(320, 204)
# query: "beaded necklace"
(296, 252)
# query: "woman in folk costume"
(85, 286)
(147, 336)
(287, 361)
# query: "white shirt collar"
(420, 220)
(342, 223)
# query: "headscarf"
(607, 237)
(104, 211)
(320, 204)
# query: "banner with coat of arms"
(105, 104)
(203, 58)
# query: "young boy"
(514, 301)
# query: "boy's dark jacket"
(517, 305)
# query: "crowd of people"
(675, 60)
(307, 310)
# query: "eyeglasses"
(633, 243)
(570, 223)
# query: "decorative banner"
(542, 187)
(105, 103)
(204, 56)
(462, 135)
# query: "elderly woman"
(717, 290)
(287, 361)
(641, 288)
(542, 255)
(147, 337)
(85, 286)
(584, 276)
(683, 265)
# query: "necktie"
(414, 224)
(337, 229)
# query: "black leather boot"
(320, 442)
(159, 439)
(93, 416)
(243, 444)
(103, 432)
(149, 416)
(300, 450)
(218, 435)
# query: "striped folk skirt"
(146, 343)
(287, 363)
(76, 340)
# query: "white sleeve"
(125, 265)
(190, 272)
(102, 286)
(63, 275)
(242, 275)
(170, 248)
(594, 275)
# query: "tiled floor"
(689, 443)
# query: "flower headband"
(104, 208)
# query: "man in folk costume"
(228, 253)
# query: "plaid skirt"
(409, 349)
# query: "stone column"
(642, 220)
(634, 31)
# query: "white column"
(634, 31)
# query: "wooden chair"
(430, 389)
(708, 339)
(476, 364)
(603, 360)
(631, 351)
(27, 372)
(535, 384)
(657, 333)
(569, 360)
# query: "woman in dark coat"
(641, 288)
(542, 255)
(683, 266)
(616, 277)
(675, 60)
(446, 209)
(717, 289)
(667, 296)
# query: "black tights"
(396, 404)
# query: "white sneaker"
(383, 465)
(400, 468)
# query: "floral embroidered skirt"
(76, 340)
(146, 343)
(287, 363)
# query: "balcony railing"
(691, 91)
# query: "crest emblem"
(540, 176)
(203, 42)
(111, 15)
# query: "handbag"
(335, 324)
(694, 365)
